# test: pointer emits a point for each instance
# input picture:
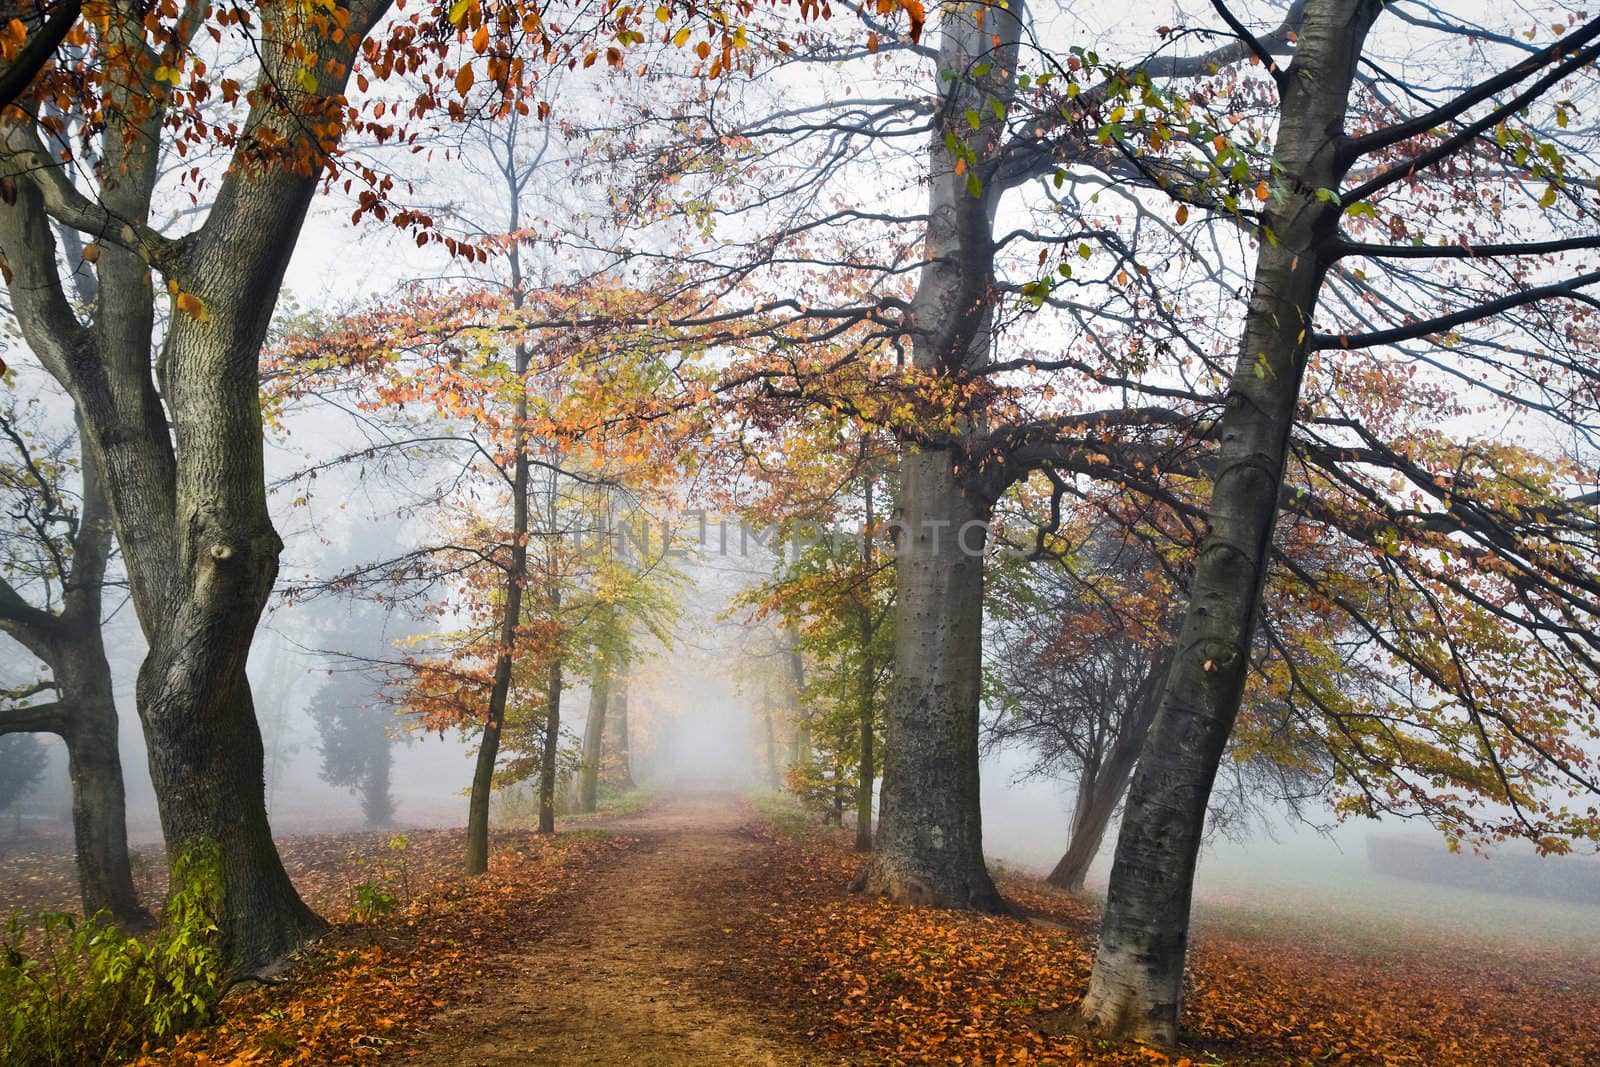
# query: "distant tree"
(55, 550)
(356, 752)
(22, 764)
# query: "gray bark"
(594, 732)
(84, 714)
(1137, 984)
(189, 500)
(929, 847)
(552, 742)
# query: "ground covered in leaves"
(409, 933)
(890, 984)
(702, 932)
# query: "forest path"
(613, 976)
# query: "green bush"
(83, 992)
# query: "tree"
(1076, 677)
(22, 763)
(188, 502)
(1137, 982)
(53, 572)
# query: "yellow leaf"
(193, 307)
(681, 38)
(663, 13)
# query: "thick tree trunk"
(1137, 984)
(552, 741)
(594, 732)
(189, 497)
(929, 847)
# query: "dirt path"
(618, 975)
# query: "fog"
(696, 714)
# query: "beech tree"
(1319, 179)
(53, 572)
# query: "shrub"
(83, 992)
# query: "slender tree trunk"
(769, 740)
(99, 813)
(85, 713)
(1137, 984)
(510, 620)
(866, 691)
(547, 762)
(594, 732)
(1100, 787)
(1097, 801)
(800, 722)
(624, 755)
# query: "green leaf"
(974, 119)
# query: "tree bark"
(1137, 984)
(189, 499)
(769, 740)
(547, 761)
(1100, 787)
(94, 762)
(866, 690)
(594, 732)
(624, 754)
(85, 713)
(929, 847)
(799, 720)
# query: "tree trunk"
(189, 497)
(866, 691)
(85, 713)
(799, 720)
(1097, 801)
(594, 732)
(99, 815)
(929, 847)
(1137, 984)
(547, 762)
(624, 755)
(510, 621)
(1100, 787)
(769, 740)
